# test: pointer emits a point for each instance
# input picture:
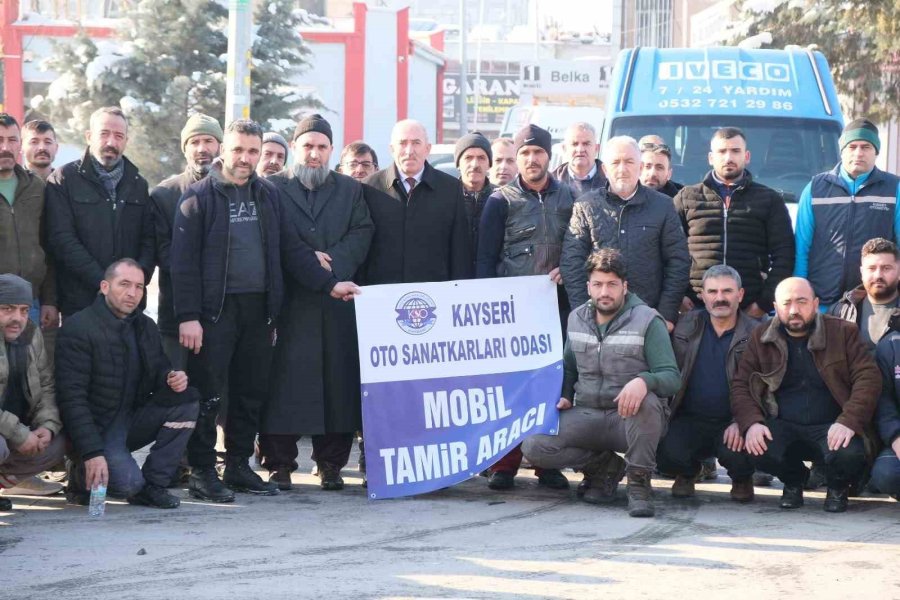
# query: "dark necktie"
(411, 182)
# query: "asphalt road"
(463, 542)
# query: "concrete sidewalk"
(466, 541)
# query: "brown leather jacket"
(843, 361)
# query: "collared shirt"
(403, 178)
(587, 177)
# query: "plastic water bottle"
(98, 501)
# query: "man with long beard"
(315, 386)
(806, 389)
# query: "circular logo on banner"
(415, 313)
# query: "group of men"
(661, 289)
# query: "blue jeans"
(35, 313)
(886, 473)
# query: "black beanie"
(860, 129)
(313, 123)
(532, 135)
(472, 140)
(14, 290)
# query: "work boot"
(553, 479)
(5, 504)
(792, 496)
(34, 486)
(330, 478)
(204, 484)
(708, 470)
(181, 477)
(241, 478)
(761, 479)
(816, 478)
(501, 480)
(154, 496)
(742, 490)
(836, 500)
(683, 486)
(282, 478)
(640, 493)
(603, 477)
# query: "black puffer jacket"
(650, 238)
(87, 232)
(164, 200)
(754, 235)
(91, 366)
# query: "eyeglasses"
(365, 164)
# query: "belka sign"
(590, 77)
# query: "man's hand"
(755, 311)
(756, 439)
(896, 447)
(670, 326)
(31, 445)
(324, 260)
(345, 290)
(190, 335)
(556, 276)
(687, 305)
(177, 381)
(631, 397)
(564, 404)
(49, 317)
(95, 472)
(44, 436)
(839, 436)
(732, 438)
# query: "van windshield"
(784, 153)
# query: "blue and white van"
(783, 100)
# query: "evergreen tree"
(169, 62)
(279, 58)
(859, 39)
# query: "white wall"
(423, 94)
(380, 102)
(326, 78)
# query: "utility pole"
(463, 75)
(237, 85)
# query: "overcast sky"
(579, 14)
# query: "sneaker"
(792, 496)
(204, 484)
(640, 493)
(241, 478)
(708, 470)
(553, 479)
(602, 478)
(836, 500)
(742, 490)
(281, 478)
(683, 487)
(155, 496)
(330, 478)
(501, 480)
(761, 479)
(34, 486)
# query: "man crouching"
(619, 369)
(118, 393)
